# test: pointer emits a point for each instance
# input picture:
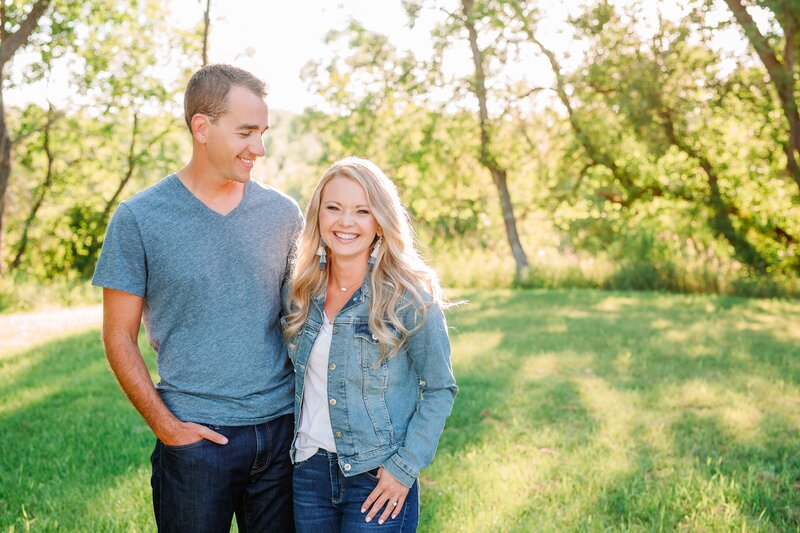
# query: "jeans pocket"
(301, 464)
(188, 446)
(372, 475)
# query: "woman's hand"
(388, 492)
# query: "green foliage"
(654, 163)
(90, 158)
(427, 152)
(646, 264)
(121, 133)
(657, 138)
(20, 293)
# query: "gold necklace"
(346, 287)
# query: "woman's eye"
(244, 134)
(332, 208)
(363, 212)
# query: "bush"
(18, 293)
(645, 264)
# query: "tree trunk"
(487, 158)
(128, 172)
(5, 166)
(12, 42)
(48, 181)
(94, 242)
(206, 28)
(782, 76)
(132, 163)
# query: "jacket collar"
(361, 295)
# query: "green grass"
(578, 411)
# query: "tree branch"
(756, 38)
(206, 27)
(3, 30)
(12, 42)
(45, 187)
(782, 76)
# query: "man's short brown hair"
(207, 90)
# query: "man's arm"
(122, 314)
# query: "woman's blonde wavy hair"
(399, 269)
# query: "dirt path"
(24, 330)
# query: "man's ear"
(200, 124)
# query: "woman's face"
(346, 222)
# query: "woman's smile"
(346, 222)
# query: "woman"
(369, 344)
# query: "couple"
(226, 276)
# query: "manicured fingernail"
(368, 519)
(394, 516)
(363, 511)
(380, 522)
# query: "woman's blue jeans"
(325, 501)
(200, 486)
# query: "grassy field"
(578, 411)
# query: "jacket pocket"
(374, 379)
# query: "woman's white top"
(315, 429)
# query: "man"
(202, 256)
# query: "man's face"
(234, 141)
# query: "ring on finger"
(393, 502)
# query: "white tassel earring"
(373, 257)
(322, 254)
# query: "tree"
(12, 15)
(43, 189)
(671, 94)
(206, 30)
(129, 87)
(376, 104)
(486, 155)
(471, 25)
(781, 65)
(120, 125)
(585, 129)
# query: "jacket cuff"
(401, 471)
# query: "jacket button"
(347, 467)
(332, 401)
(338, 434)
(332, 366)
(374, 337)
(422, 383)
(335, 329)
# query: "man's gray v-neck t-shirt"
(211, 285)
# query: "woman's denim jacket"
(389, 414)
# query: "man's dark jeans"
(200, 486)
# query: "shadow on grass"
(68, 431)
(636, 344)
(642, 339)
(763, 472)
(496, 403)
(715, 483)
